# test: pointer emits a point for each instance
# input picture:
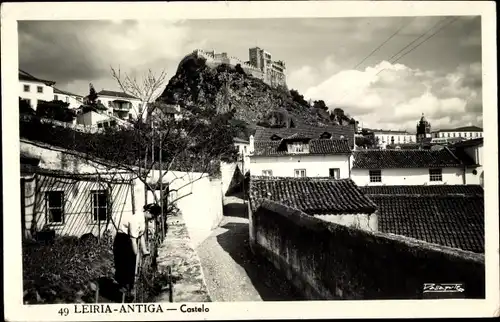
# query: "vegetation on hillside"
(226, 88)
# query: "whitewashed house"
(471, 151)
(33, 89)
(389, 137)
(411, 167)
(74, 100)
(302, 152)
(334, 200)
(119, 104)
(243, 147)
(63, 191)
(465, 132)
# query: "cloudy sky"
(441, 77)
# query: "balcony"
(120, 105)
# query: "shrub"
(56, 110)
(62, 272)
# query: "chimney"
(251, 144)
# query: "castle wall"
(269, 75)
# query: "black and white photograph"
(230, 152)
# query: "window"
(267, 173)
(297, 148)
(26, 88)
(435, 175)
(28, 101)
(54, 207)
(56, 98)
(448, 134)
(99, 125)
(300, 173)
(477, 134)
(39, 89)
(335, 173)
(130, 117)
(245, 149)
(99, 205)
(375, 175)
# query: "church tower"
(423, 129)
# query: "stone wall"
(331, 261)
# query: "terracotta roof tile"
(312, 195)
(383, 159)
(452, 216)
(316, 146)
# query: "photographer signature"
(444, 288)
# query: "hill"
(225, 88)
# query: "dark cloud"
(60, 50)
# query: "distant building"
(120, 104)
(451, 215)
(274, 71)
(243, 147)
(305, 151)
(74, 100)
(260, 64)
(386, 137)
(413, 167)
(33, 89)
(335, 200)
(465, 133)
(423, 129)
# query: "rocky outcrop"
(224, 88)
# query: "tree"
(297, 97)
(320, 105)
(239, 69)
(25, 107)
(55, 110)
(92, 98)
(146, 88)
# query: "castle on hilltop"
(260, 65)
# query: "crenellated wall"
(269, 75)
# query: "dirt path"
(232, 272)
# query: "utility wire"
(382, 44)
(418, 45)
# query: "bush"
(56, 110)
(62, 272)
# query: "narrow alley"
(232, 272)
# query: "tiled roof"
(28, 77)
(316, 146)
(452, 216)
(313, 132)
(115, 94)
(311, 195)
(464, 129)
(240, 140)
(469, 143)
(384, 159)
(58, 91)
(469, 190)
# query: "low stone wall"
(331, 261)
(187, 274)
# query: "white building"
(413, 167)
(74, 100)
(466, 133)
(471, 150)
(386, 137)
(119, 104)
(302, 152)
(243, 147)
(33, 89)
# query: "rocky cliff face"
(226, 88)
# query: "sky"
(326, 58)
